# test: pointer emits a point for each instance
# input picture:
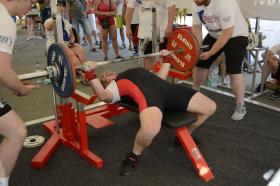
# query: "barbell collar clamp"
(49, 72)
(53, 72)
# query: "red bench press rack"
(73, 130)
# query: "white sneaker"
(239, 113)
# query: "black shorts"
(4, 107)
(277, 75)
(174, 96)
(178, 97)
(45, 14)
(156, 91)
(235, 50)
(134, 28)
(149, 47)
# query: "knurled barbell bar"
(182, 46)
(60, 69)
(50, 72)
(130, 58)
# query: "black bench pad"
(171, 118)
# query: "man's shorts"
(149, 46)
(119, 21)
(84, 24)
(134, 30)
(92, 22)
(45, 14)
(235, 50)
(4, 107)
(277, 75)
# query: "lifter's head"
(107, 77)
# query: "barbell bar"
(33, 75)
(134, 57)
(183, 47)
(53, 71)
(130, 58)
(49, 72)
(182, 44)
(61, 70)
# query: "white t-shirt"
(50, 35)
(145, 15)
(218, 15)
(113, 87)
(7, 31)
(135, 16)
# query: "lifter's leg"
(150, 121)
(203, 107)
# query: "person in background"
(45, 13)
(272, 66)
(91, 20)
(165, 13)
(76, 14)
(228, 33)
(69, 37)
(134, 40)
(12, 127)
(105, 10)
(30, 21)
(119, 21)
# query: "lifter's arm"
(165, 67)
(101, 93)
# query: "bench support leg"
(194, 154)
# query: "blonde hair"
(103, 77)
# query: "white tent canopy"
(265, 9)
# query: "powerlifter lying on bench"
(153, 95)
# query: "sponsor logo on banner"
(5, 41)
